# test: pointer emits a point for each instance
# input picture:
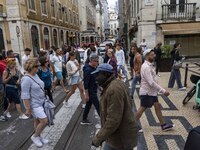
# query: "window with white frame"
(31, 4)
(44, 6)
(59, 11)
(52, 8)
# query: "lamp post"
(18, 35)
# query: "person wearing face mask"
(118, 126)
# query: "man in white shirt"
(26, 56)
(90, 51)
(57, 64)
(143, 45)
(149, 90)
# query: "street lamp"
(18, 35)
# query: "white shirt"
(24, 59)
(57, 63)
(86, 56)
(119, 54)
(143, 45)
(149, 85)
(72, 67)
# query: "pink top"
(149, 85)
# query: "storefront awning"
(180, 28)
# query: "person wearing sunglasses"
(44, 73)
(32, 93)
(11, 77)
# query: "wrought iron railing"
(185, 11)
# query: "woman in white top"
(73, 71)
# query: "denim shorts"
(148, 101)
(59, 75)
(75, 80)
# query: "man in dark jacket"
(90, 87)
(158, 52)
(119, 128)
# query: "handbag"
(177, 64)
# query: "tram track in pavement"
(69, 133)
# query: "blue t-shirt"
(45, 76)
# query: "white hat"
(147, 51)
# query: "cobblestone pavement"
(184, 118)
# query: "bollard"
(186, 74)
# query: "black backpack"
(193, 139)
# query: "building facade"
(39, 24)
(105, 19)
(166, 21)
(88, 14)
(113, 21)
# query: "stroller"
(196, 80)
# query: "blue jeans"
(134, 82)
(175, 75)
(120, 67)
(107, 147)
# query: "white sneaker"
(3, 118)
(8, 115)
(66, 104)
(24, 117)
(43, 140)
(83, 106)
(36, 141)
(182, 89)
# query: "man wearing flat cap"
(118, 126)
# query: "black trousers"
(48, 90)
(93, 99)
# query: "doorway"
(35, 40)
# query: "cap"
(103, 67)
(147, 52)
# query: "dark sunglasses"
(36, 66)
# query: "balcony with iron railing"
(177, 12)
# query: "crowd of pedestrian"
(28, 82)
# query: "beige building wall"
(18, 13)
